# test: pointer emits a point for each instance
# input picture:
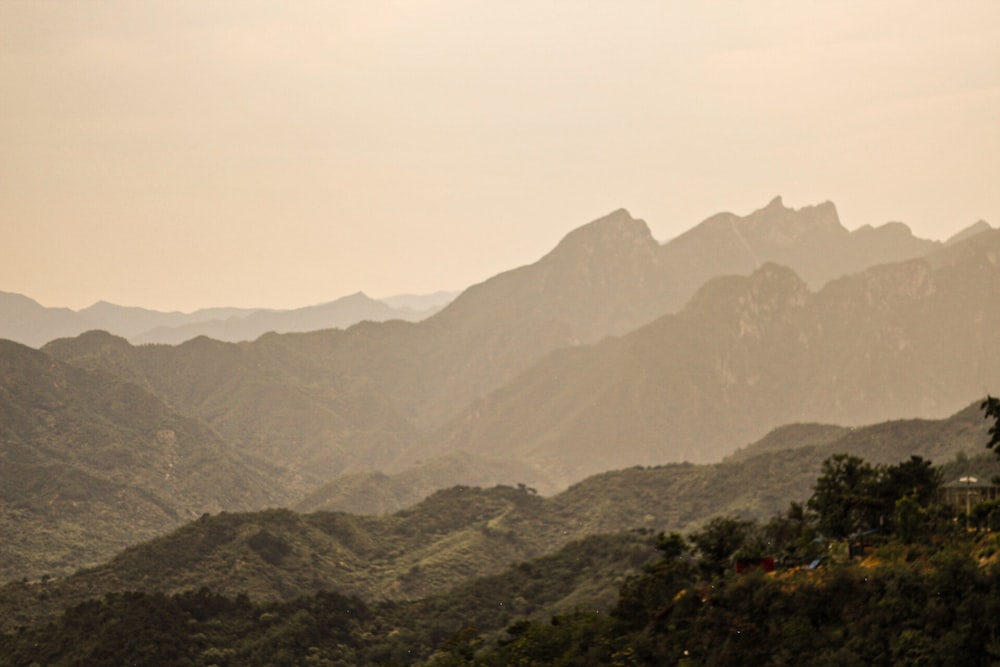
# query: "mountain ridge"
(749, 347)
(26, 321)
(365, 396)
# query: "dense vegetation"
(907, 585)
(936, 605)
(463, 532)
(894, 580)
(326, 628)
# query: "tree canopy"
(991, 407)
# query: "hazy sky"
(177, 155)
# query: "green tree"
(915, 478)
(672, 546)
(719, 541)
(910, 518)
(991, 406)
(843, 496)
(791, 536)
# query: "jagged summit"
(786, 225)
(775, 221)
(810, 239)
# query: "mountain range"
(505, 370)
(26, 321)
(750, 353)
(612, 350)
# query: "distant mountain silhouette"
(420, 302)
(26, 321)
(338, 314)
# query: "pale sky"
(178, 155)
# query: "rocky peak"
(783, 225)
(776, 204)
(614, 234)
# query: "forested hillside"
(462, 533)
(92, 463)
(898, 579)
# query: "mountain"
(810, 240)
(462, 533)
(92, 463)
(335, 402)
(282, 397)
(610, 276)
(132, 322)
(26, 321)
(338, 314)
(420, 302)
(755, 481)
(746, 355)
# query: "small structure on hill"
(967, 492)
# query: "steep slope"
(92, 463)
(598, 280)
(748, 354)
